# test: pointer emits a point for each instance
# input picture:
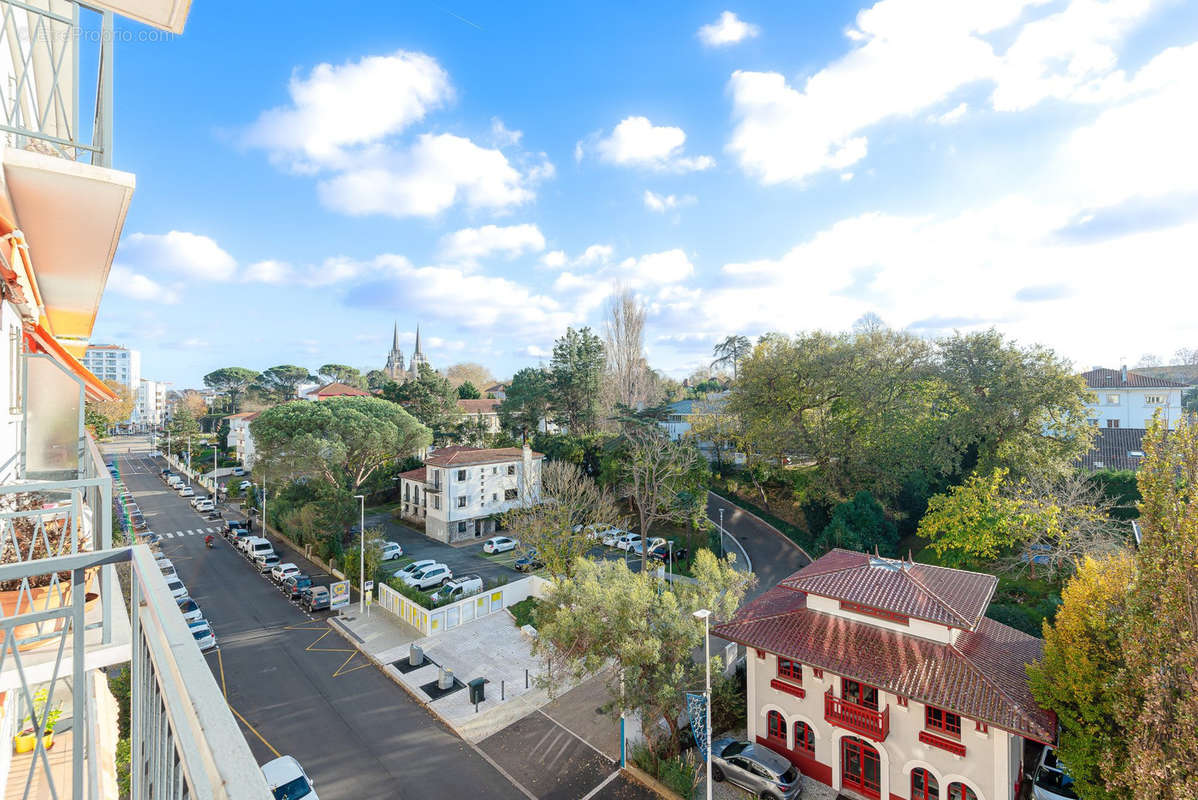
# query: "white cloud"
(438, 171)
(125, 281)
(909, 55)
(953, 115)
(356, 103)
(468, 245)
(194, 343)
(637, 142)
(554, 259)
(268, 271)
(670, 266)
(178, 254)
(595, 254)
(535, 351)
(502, 136)
(728, 29)
(662, 203)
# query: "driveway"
(774, 556)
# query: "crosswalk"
(181, 534)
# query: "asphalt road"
(774, 556)
(294, 684)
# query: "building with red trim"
(883, 678)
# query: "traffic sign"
(338, 594)
(369, 586)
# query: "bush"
(525, 611)
(860, 524)
(412, 593)
(728, 706)
(680, 773)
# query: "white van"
(259, 547)
(174, 481)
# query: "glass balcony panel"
(53, 420)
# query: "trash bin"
(477, 693)
(415, 655)
(445, 679)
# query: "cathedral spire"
(418, 338)
(395, 338)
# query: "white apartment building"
(241, 439)
(885, 680)
(460, 491)
(151, 402)
(1124, 398)
(111, 362)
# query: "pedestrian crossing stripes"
(191, 533)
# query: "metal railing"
(42, 44)
(856, 718)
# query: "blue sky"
(309, 173)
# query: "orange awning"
(41, 341)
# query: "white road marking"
(169, 535)
(191, 533)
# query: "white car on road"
(499, 544)
(287, 779)
(177, 589)
(391, 551)
(203, 634)
(187, 491)
(190, 610)
(611, 536)
(628, 541)
(281, 572)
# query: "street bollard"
(476, 708)
(525, 679)
(501, 697)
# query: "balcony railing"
(856, 718)
(43, 47)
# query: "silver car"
(1052, 780)
(756, 768)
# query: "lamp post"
(189, 459)
(705, 615)
(362, 556)
(721, 531)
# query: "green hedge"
(525, 611)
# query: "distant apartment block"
(1124, 398)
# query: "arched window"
(959, 791)
(776, 726)
(924, 785)
(804, 738)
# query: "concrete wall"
(985, 767)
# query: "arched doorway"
(860, 767)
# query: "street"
(294, 684)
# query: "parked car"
(662, 552)
(266, 561)
(294, 585)
(149, 537)
(236, 524)
(239, 471)
(203, 634)
(628, 540)
(499, 544)
(205, 505)
(177, 589)
(257, 547)
(199, 498)
(213, 515)
(428, 577)
(656, 541)
(596, 531)
(415, 566)
(281, 572)
(459, 587)
(1052, 780)
(190, 610)
(391, 551)
(611, 536)
(287, 779)
(315, 598)
(756, 768)
(245, 485)
(169, 573)
(138, 522)
(187, 491)
(529, 562)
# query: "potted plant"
(26, 740)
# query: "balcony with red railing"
(858, 719)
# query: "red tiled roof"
(418, 474)
(952, 597)
(1113, 379)
(981, 677)
(461, 456)
(338, 389)
(478, 406)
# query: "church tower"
(394, 367)
(418, 358)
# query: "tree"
(730, 352)
(194, 402)
(971, 522)
(374, 558)
(526, 402)
(341, 441)
(1189, 400)
(662, 480)
(628, 379)
(429, 398)
(1149, 360)
(1078, 675)
(711, 423)
(468, 371)
(1160, 641)
(860, 524)
(569, 500)
(467, 391)
(343, 374)
(575, 375)
(605, 614)
(232, 383)
(110, 413)
(376, 379)
(1186, 356)
(182, 424)
(282, 383)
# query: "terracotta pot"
(44, 598)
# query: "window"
(509, 494)
(924, 785)
(790, 669)
(461, 474)
(1112, 423)
(461, 527)
(511, 469)
(1154, 399)
(859, 693)
(1112, 399)
(936, 719)
(804, 738)
(494, 470)
(462, 501)
(494, 496)
(407, 491)
(959, 791)
(776, 726)
(817, 672)
(436, 501)
(1093, 421)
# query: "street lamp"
(362, 557)
(705, 615)
(721, 531)
(189, 459)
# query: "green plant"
(678, 773)
(525, 611)
(124, 758)
(728, 707)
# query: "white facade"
(459, 500)
(1123, 398)
(151, 402)
(110, 362)
(241, 439)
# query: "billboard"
(338, 594)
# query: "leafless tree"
(656, 471)
(477, 374)
(1187, 355)
(1149, 360)
(628, 375)
(555, 525)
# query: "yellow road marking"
(221, 661)
(254, 731)
(341, 670)
(312, 648)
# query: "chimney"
(1123, 373)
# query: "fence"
(432, 622)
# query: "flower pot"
(24, 742)
(43, 598)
